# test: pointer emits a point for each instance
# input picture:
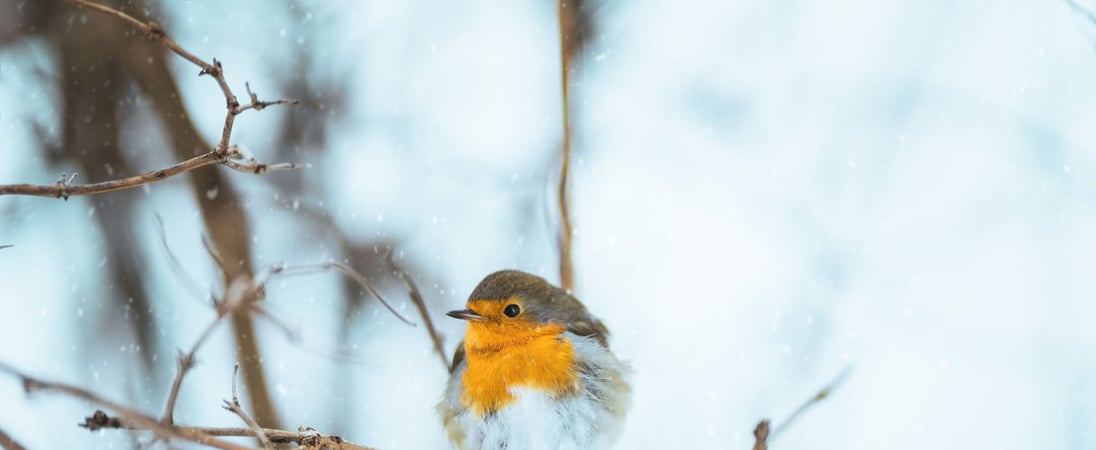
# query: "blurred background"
(764, 193)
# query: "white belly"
(537, 421)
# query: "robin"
(534, 371)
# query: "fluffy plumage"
(541, 379)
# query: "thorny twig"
(222, 153)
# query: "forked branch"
(223, 153)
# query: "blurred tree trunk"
(91, 78)
(100, 55)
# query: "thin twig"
(133, 417)
(762, 432)
(233, 301)
(215, 256)
(420, 304)
(235, 407)
(821, 395)
(346, 270)
(1088, 13)
(6, 246)
(9, 443)
(177, 267)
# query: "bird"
(534, 371)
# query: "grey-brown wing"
(589, 327)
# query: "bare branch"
(1088, 13)
(6, 246)
(63, 188)
(240, 294)
(762, 432)
(235, 407)
(420, 304)
(761, 435)
(821, 395)
(177, 267)
(131, 416)
(346, 270)
(215, 256)
(305, 438)
(220, 154)
(9, 442)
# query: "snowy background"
(765, 193)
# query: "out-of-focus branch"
(420, 304)
(223, 216)
(235, 407)
(239, 296)
(1088, 13)
(6, 246)
(568, 49)
(281, 270)
(9, 442)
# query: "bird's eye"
(512, 310)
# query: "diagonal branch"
(345, 270)
(1087, 13)
(420, 304)
(238, 296)
(763, 432)
(9, 442)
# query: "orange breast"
(534, 357)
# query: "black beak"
(465, 314)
